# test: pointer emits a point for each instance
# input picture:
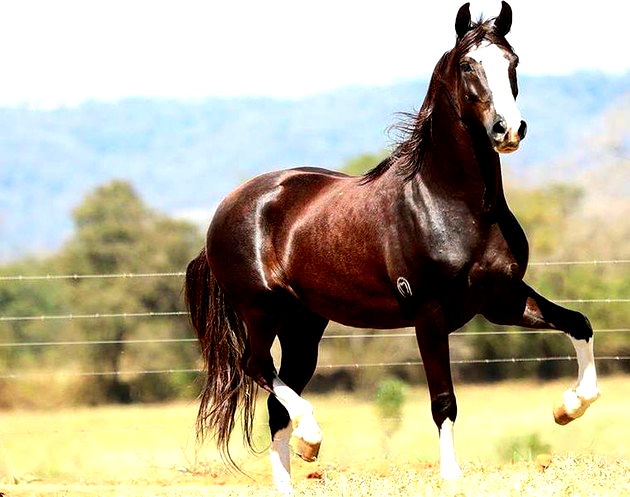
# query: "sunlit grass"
(155, 445)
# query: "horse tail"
(222, 338)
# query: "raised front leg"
(522, 306)
(433, 346)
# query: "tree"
(363, 163)
(117, 233)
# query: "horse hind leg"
(289, 413)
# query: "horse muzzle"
(505, 139)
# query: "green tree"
(117, 233)
(363, 163)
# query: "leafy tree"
(363, 163)
(117, 233)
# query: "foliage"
(115, 233)
(521, 447)
(390, 398)
(363, 163)
(189, 154)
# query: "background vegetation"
(185, 156)
(116, 232)
(573, 206)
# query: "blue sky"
(68, 51)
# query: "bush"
(522, 448)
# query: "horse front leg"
(522, 306)
(434, 350)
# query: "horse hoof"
(561, 416)
(307, 450)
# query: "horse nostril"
(522, 130)
(499, 127)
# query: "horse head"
(482, 67)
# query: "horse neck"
(459, 162)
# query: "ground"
(151, 450)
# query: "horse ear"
(503, 22)
(462, 21)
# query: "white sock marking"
(281, 461)
(586, 386)
(300, 411)
(449, 469)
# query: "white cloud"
(67, 51)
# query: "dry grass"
(151, 450)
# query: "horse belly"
(381, 312)
(337, 270)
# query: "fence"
(35, 279)
(131, 315)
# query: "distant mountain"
(184, 156)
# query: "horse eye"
(466, 67)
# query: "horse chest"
(500, 259)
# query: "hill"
(183, 156)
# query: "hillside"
(183, 156)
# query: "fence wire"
(75, 276)
(110, 315)
(351, 365)
(97, 315)
(325, 337)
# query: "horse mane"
(414, 129)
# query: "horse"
(425, 239)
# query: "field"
(151, 450)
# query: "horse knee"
(444, 406)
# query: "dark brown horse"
(425, 239)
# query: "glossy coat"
(290, 250)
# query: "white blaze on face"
(495, 65)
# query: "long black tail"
(222, 338)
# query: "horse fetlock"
(308, 435)
(307, 429)
(573, 406)
(588, 394)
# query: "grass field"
(151, 450)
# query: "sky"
(64, 52)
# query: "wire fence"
(97, 315)
(325, 337)
(76, 276)
(104, 315)
(349, 365)
(180, 313)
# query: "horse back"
(249, 233)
